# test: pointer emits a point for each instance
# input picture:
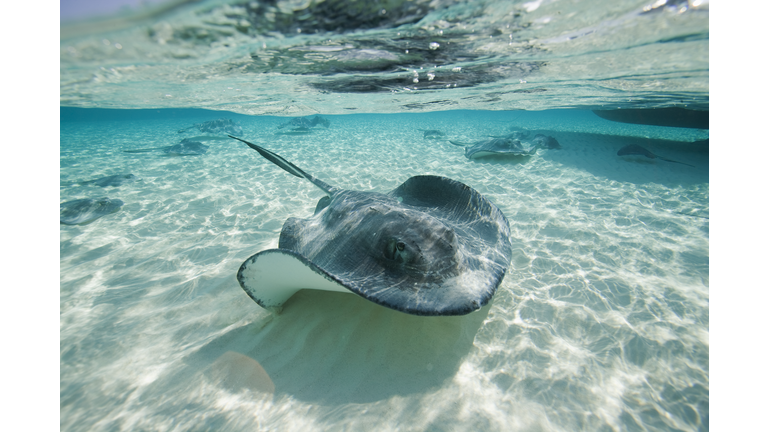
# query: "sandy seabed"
(601, 323)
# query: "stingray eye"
(395, 250)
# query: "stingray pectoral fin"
(534, 148)
(272, 276)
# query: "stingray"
(186, 147)
(636, 150)
(518, 135)
(113, 180)
(305, 123)
(432, 133)
(202, 138)
(298, 131)
(546, 141)
(87, 210)
(223, 126)
(322, 121)
(298, 123)
(496, 147)
(431, 246)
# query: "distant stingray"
(432, 133)
(543, 141)
(220, 126)
(304, 123)
(84, 211)
(546, 141)
(202, 138)
(496, 147)
(298, 131)
(636, 150)
(517, 134)
(186, 147)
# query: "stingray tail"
(674, 161)
(288, 166)
(456, 143)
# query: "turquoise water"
(600, 323)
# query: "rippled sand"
(601, 322)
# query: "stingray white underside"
(272, 276)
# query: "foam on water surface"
(601, 322)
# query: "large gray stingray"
(113, 180)
(186, 147)
(636, 150)
(432, 246)
(496, 147)
(87, 210)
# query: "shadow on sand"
(337, 348)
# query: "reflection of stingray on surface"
(432, 246)
(87, 210)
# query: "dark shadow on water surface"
(337, 348)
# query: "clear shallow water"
(601, 323)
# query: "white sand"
(601, 321)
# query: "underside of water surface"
(333, 57)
